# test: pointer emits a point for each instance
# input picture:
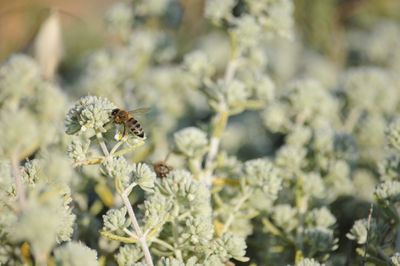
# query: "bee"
(162, 168)
(126, 118)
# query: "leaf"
(48, 46)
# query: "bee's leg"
(123, 134)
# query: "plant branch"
(102, 144)
(116, 147)
(136, 227)
(368, 229)
(19, 185)
(163, 243)
(235, 210)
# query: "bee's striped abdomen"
(135, 127)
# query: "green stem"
(163, 243)
(128, 149)
(19, 184)
(102, 144)
(239, 204)
(136, 227)
(116, 147)
(177, 251)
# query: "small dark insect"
(127, 119)
(161, 169)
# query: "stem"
(178, 253)
(128, 149)
(235, 210)
(352, 119)
(163, 243)
(136, 227)
(221, 121)
(115, 148)
(19, 185)
(89, 161)
(222, 116)
(102, 144)
(368, 228)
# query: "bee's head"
(114, 112)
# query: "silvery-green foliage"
(320, 218)
(395, 259)
(199, 231)
(310, 101)
(371, 89)
(191, 141)
(392, 134)
(118, 168)
(78, 150)
(388, 192)
(143, 176)
(309, 262)
(187, 192)
(128, 255)
(116, 220)
(319, 240)
(6, 180)
(389, 166)
(156, 211)
(119, 19)
(227, 247)
(196, 63)
(75, 254)
(290, 159)
(274, 16)
(249, 31)
(175, 262)
(359, 230)
(374, 44)
(14, 140)
(89, 113)
(18, 76)
(313, 185)
(218, 11)
(152, 7)
(235, 93)
(262, 174)
(275, 117)
(285, 216)
(43, 224)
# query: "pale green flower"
(395, 259)
(218, 10)
(128, 255)
(118, 167)
(144, 176)
(191, 141)
(116, 220)
(75, 254)
(285, 216)
(321, 217)
(393, 134)
(388, 192)
(309, 262)
(261, 173)
(18, 77)
(360, 232)
(89, 113)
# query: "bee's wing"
(139, 111)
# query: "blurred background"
(321, 23)
(82, 23)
